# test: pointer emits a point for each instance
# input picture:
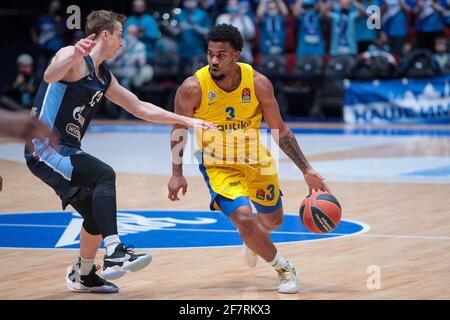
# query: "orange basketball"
(320, 212)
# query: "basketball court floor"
(393, 184)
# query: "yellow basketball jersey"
(237, 115)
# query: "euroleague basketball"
(320, 212)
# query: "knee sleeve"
(106, 183)
(84, 208)
(90, 225)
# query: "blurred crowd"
(289, 40)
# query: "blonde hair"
(98, 21)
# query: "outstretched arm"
(148, 111)
(283, 135)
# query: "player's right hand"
(315, 181)
(176, 183)
(84, 46)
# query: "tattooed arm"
(283, 135)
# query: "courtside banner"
(404, 101)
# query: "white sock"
(278, 262)
(86, 266)
(111, 243)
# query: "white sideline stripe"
(276, 232)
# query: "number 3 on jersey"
(230, 111)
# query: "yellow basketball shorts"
(235, 185)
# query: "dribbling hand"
(315, 181)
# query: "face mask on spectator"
(25, 64)
(138, 12)
(272, 9)
(190, 5)
(131, 40)
(26, 70)
(233, 9)
(440, 46)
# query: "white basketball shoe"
(289, 280)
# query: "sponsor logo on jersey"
(234, 126)
(211, 97)
(260, 194)
(73, 130)
(235, 183)
(246, 95)
(77, 115)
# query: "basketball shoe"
(251, 257)
(289, 281)
(88, 283)
(123, 260)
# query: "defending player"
(74, 84)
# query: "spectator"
(380, 44)
(271, 15)
(129, 65)
(48, 33)
(190, 31)
(309, 38)
(343, 26)
(407, 49)
(246, 8)
(209, 6)
(447, 14)
(148, 27)
(442, 55)
(243, 23)
(395, 23)
(18, 95)
(364, 35)
(166, 50)
(130, 59)
(430, 22)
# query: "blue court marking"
(435, 172)
(151, 229)
(444, 132)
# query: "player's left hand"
(315, 181)
(200, 124)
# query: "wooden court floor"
(409, 241)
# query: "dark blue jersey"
(68, 107)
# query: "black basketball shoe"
(122, 261)
(88, 283)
